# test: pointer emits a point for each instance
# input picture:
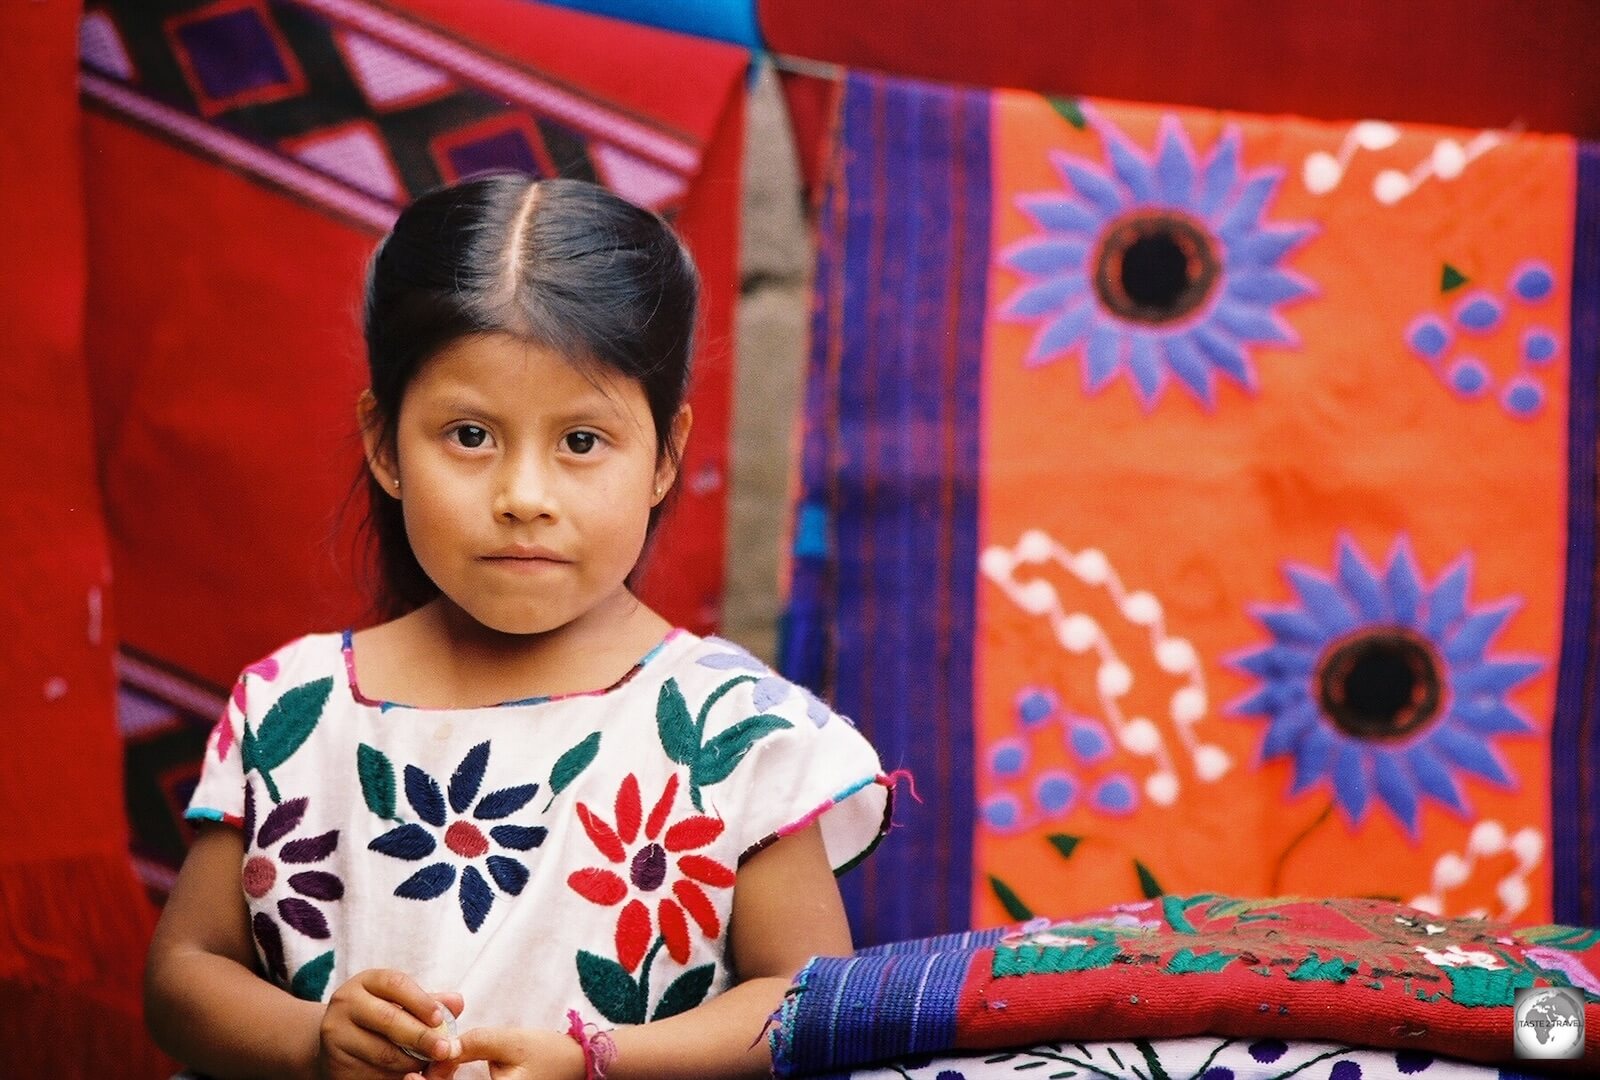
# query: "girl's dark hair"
(561, 263)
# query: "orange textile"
(1273, 554)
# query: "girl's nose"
(524, 491)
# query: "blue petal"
(770, 691)
(1190, 366)
(1404, 585)
(427, 883)
(1267, 246)
(1251, 323)
(737, 661)
(1226, 354)
(1131, 168)
(504, 802)
(1316, 755)
(1267, 287)
(1045, 255)
(410, 842)
(1245, 214)
(422, 792)
(1277, 661)
(1468, 643)
(1144, 360)
(1104, 357)
(1060, 335)
(1395, 787)
(1057, 214)
(476, 898)
(1270, 700)
(1350, 781)
(1222, 172)
(1448, 601)
(468, 777)
(1293, 626)
(509, 874)
(1175, 165)
(1468, 752)
(518, 837)
(1044, 297)
(1091, 184)
(1288, 728)
(1493, 677)
(1434, 778)
(1489, 717)
(1322, 601)
(1361, 582)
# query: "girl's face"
(526, 481)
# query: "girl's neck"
(441, 657)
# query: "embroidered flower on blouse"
(643, 869)
(444, 814)
(770, 690)
(267, 670)
(265, 869)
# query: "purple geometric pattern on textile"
(502, 150)
(233, 53)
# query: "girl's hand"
(371, 1017)
(518, 1054)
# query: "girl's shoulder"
(314, 663)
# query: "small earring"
(658, 491)
(397, 483)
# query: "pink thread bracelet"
(599, 1051)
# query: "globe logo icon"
(1549, 1022)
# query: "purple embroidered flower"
(1162, 265)
(1384, 686)
(265, 871)
(770, 690)
(444, 814)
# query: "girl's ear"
(380, 453)
(677, 440)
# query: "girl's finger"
(400, 1027)
(495, 1045)
(451, 1000)
(376, 1051)
(402, 989)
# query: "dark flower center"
(465, 840)
(259, 876)
(1155, 267)
(649, 867)
(1380, 683)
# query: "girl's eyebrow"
(593, 406)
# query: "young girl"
(604, 844)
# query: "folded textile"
(1356, 971)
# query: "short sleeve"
(219, 796)
(811, 766)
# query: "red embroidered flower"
(645, 866)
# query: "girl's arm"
(207, 1007)
(786, 909)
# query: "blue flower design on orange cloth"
(444, 814)
(1384, 686)
(1160, 266)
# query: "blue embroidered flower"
(1385, 686)
(770, 690)
(1159, 266)
(462, 838)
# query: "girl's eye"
(470, 436)
(581, 442)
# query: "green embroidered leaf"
(1186, 960)
(1569, 938)
(1147, 881)
(377, 781)
(573, 762)
(247, 748)
(686, 991)
(675, 725)
(1010, 900)
(1151, 1059)
(722, 754)
(1070, 111)
(1175, 909)
(1064, 843)
(610, 989)
(290, 722)
(312, 979)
